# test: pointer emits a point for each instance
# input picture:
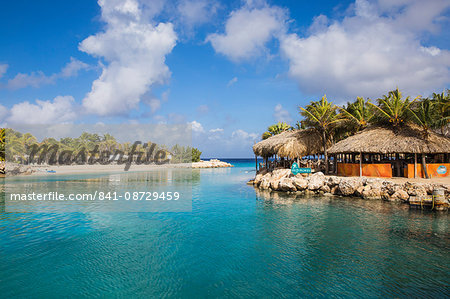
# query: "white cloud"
(3, 113)
(243, 135)
(215, 134)
(370, 52)
(196, 12)
(197, 127)
(135, 52)
(34, 79)
(248, 30)
(60, 110)
(37, 79)
(232, 81)
(3, 69)
(72, 68)
(154, 104)
(218, 130)
(281, 115)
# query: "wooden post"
(415, 165)
(424, 166)
(360, 164)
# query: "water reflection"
(118, 191)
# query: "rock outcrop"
(367, 188)
(213, 163)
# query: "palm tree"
(322, 116)
(276, 129)
(358, 114)
(393, 109)
(424, 114)
(265, 135)
(442, 102)
(396, 111)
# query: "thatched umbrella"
(408, 139)
(292, 144)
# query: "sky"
(228, 68)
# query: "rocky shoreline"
(213, 163)
(362, 187)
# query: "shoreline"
(403, 190)
(39, 170)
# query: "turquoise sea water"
(236, 242)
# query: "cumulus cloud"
(232, 81)
(154, 104)
(196, 12)
(243, 135)
(37, 79)
(34, 79)
(134, 51)
(3, 113)
(248, 30)
(215, 134)
(197, 127)
(281, 115)
(3, 69)
(60, 110)
(370, 52)
(72, 68)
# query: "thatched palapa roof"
(292, 144)
(380, 140)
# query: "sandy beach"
(98, 168)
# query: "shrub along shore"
(362, 187)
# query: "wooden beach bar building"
(381, 152)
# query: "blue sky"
(230, 68)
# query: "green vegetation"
(196, 155)
(393, 109)
(2, 144)
(276, 129)
(335, 123)
(322, 116)
(19, 145)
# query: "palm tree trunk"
(424, 166)
(324, 138)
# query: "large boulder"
(286, 185)
(265, 182)
(359, 191)
(391, 187)
(278, 174)
(415, 189)
(400, 195)
(372, 193)
(258, 179)
(333, 180)
(316, 181)
(349, 186)
(325, 188)
(17, 169)
(300, 183)
(335, 190)
(276, 177)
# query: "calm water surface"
(235, 243)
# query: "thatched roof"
(381, 140)
(292, 144)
